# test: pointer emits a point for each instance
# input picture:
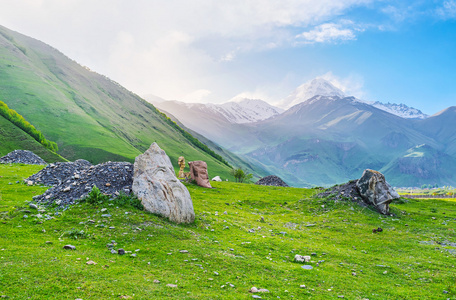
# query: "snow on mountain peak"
(248, 110)
(400, 110)
(315, 87)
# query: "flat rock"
(69, 247)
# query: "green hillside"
(87, 114)
(13, 138)
(228, 249)
(421, 165)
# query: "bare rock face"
(198, 172)
(374, 190)
(156, 185)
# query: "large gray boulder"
(156, 185)
(374, 190)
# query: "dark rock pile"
(22, 157)
(347, 191)
(110, 177)
(370, 189)
(59, 172)
(271, 180)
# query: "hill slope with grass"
(228, 250)
(87, 114)
(13, 138)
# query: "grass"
(13, 138)
(404, 261)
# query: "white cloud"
(352, 85)
(448, 9)
(198, 96)
(328, 33)
(175, 47)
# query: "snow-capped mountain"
(315, 87)
(239, 111)
(248, 110)
(400, 110)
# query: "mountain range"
(317, 135)
(325, 137)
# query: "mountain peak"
(316, 87)
(400, 110)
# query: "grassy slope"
(88, 115)
(390, 265)
(13, 138)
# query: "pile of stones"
(59, 172)
(371, 189)
(22, 157)
(271, 180)
(76, 180)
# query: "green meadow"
(228, 250)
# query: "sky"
(213, 51)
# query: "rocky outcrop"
(156, 185)
(22, 157)
(374, 190)
(371, 189)
(198, 172)
(271, 180)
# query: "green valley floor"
(228, 250)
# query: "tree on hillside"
(240, 175)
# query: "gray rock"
(156, 185)
(121, 251)
(307, 267)
(33, 206)
(301, 258)
(374, 190)
(69, 247)
(113, 251)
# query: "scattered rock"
(121, 251)
(22, 157)
(301, 258)
(216, 178)
(183, 251)
(69, 247)
(156, 281)
(172, 285)
(307, 267)
(91, 262)
(156, 185)
(33, 206)
(272, 180)
(198, 172)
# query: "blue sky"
(212, 51)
